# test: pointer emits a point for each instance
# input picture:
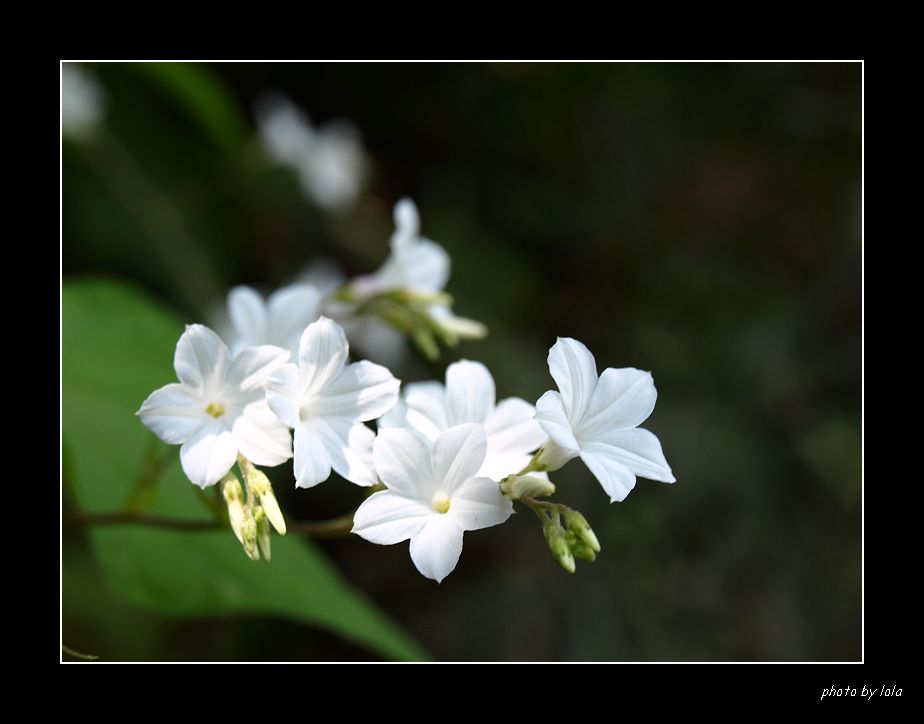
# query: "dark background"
(699, 220)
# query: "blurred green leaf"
(118, 347)
(202, 96)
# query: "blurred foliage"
(698, 220)
(119, 347)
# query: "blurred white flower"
(433, 496)
(326, 401)
(82, 102)
(420, 268)
(279, 320)
(416, 264)
(218, 408)
(430, 408)
(598, 419)
(330, 161)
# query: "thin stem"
(334, 528)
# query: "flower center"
(440, 502)
(215, 409)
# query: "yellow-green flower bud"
(578, 523)
(263, 533)
(249, 538)
(558, 544)
(233, 494)
(526, 486)
(580, 549)
(260, 487)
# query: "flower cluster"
(444, 458)
(437, 459)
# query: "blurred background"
(701, 221)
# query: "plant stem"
(334, 528)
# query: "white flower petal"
(617, 480)
(291, 309)
(478, 503)
(261, 437)
(387, 517)
(407, 223)
(284, 394)
(312, 461)
(426, 408)
(349, 447)
(436, 548)
(551, 415)
(638, 450)
(322, 353)
(425, 267)
(457, 455)
(249, 317)
(402, 461)
(470, 393)
(395, 417)
(575, 372)
(201, 358)
(252, 366)
(624, 398)
(208, 454)
(174, 413)
(512, 428)
(362, 391)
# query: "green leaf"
(117, 348)
(202, 96)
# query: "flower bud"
(261, 487)
(580, 549)
(578, 523)
(249, 537)
(558, 544)
(233, 494)
(263, 533)
(526, 486)
(552, 457)
(462, 328)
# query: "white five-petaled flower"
(330, 161)
(280, 320)
(326, 401)
(219, 407)
(430, 408)
(416, 264)
(598, 419)
(433, 495)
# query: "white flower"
(433, 496)
(81, 102)
(325, 400)
(280, 320)
(415, 264)
(330, 161)
(419, 267)
(597, 419)
(218, 408)
(430, 408)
